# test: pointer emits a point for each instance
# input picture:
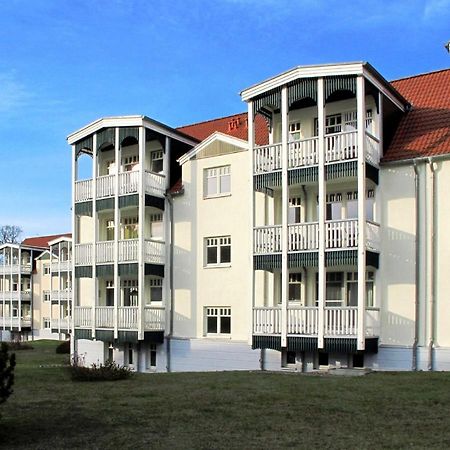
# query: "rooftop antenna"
(447, 46)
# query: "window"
(333, 124)
(130, 163)
(352, 289)
(218, 320)
(46, 269)
(294, 131)
(352, 204)
(156, 226)
(130, 292)
(217, 181)
(109, 293)
(334, 207)
(333, 290)
(156, 161)
(346, 121)
(294, 212)
(295, 287)
(156, 289)
(46, 296)
(130, 354)
(130, 228)
(152, 356)
(218, 251)
(110, 230)
(46, 323)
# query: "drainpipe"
(169, 336)
(417, 269)
(432, 267)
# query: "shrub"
(110, 371)
(7, 364)
(63, 348)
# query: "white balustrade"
(127, 317)
(128, 250)
(105, 252)
(83, 190)
(267, 158)
(267, 240)
(155, 184)
(372, 149)
(266, 320)
(82, 316)
(341, 146)
(302, 320)
(14, 296)
(129, 182)
(373, 240)
(303, 237)
(104, 316)
(154, 318)
(372, 322)
(154, 251)
(63, 266)
(341, 321)
(105, 186)
(83, 254)
(15, 268)
(63, 323)
(62, 295)
(303, 152)
(341, 234)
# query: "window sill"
(225, 194)
(218, 266)
(218, 336)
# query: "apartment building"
(306, 233)
(35, 293)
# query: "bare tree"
(9, 234)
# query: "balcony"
(14, 296)
(339, 235)
(15, 322)
(15, 269)
(154, 184)
(60, 324)
(154, 252)
(63, 266)
(304, 321)
(339, 147)
(127, 317)
(61, 296)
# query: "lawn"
(222, 410)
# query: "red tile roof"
(425, 130)
(235, 125)
(42, 241)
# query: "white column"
(117, 157)
(95, 231)
(74, 241)
(251, 143)
(361, 123)
(141, 228)
(59, 288)
(321, 213)
(380, 123)
(167, 220)
(11, 252)
(284, 216)
(19, 289)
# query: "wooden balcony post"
(361, 126)
(74, 241)
(95, 230)
(19, 288)
(251, 144)
(284, 217)
(141, 234)
(116, 282)
(321, 287)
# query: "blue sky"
(65, 63)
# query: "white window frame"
(157, 155)
(216, 173)
(217, 242)
(218, 312)
(46, 296)
(46, 323)
(47, 270)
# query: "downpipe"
(417, 270)
(169, 336)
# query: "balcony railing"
(61, 295)
(154, 184)
(25, 268)
(154, 252)
(60, 324)
(14, 322)
(339, 147)
(339, 321)
(63, 266)
(14, 296)
(339, 234)
(127, 317)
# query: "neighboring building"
(35, 287)
(308, 233)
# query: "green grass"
(222, 410)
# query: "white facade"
(303, 253)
